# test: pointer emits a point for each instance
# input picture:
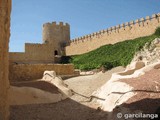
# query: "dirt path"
(74, 108)
(86, 85)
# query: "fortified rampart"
(35, 60)
(126, 31)
(55, 37)
(56, 40)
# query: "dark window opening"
(55, 52)
(45, 41)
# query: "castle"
(56, 40)
(55, 37)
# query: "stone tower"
(58, 35)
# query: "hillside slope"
(112, 55)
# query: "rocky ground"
(145, 101)
(78, 107)
(148, 91)
(135, 94)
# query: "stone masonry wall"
(54, 33)
(5, 9)
(26, 72)
(34, 53)
(126, 31)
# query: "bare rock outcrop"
(133, 91)
(5, 9)
(150, 52)
(145, 104)
(50, 76)
(49, 89)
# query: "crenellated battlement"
(140, 22)
(34, 44)
(125, 31)
(56, 39)
(55, 24)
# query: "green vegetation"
(109, 56)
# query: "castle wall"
(5, 9)
(39, 52)
(54, 38)
(126, 31)
(34, 53)
(17, 56)
(26, 72)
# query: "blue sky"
(84, 16)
